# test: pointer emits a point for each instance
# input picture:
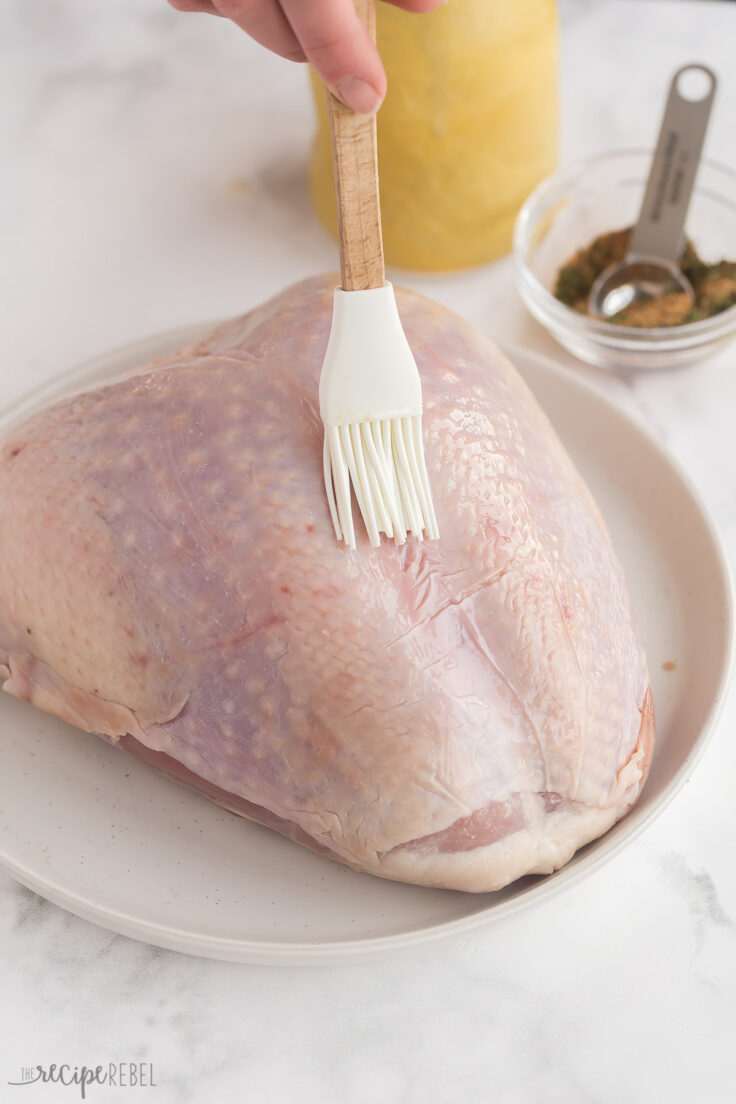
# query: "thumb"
(339, 47)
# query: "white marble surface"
(123, 127)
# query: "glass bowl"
(568, 210)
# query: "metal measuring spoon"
(650, 268)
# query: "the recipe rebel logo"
(120, 1075)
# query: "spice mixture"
(714, 285)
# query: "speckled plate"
(103, 835)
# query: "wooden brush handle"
(355, 160)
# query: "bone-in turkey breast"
(454, 713)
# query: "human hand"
(328, 33)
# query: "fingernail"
(358, 94)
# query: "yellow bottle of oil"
(467, 129)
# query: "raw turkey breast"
(455, 713)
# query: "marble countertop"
(153, 175)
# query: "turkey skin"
(455, 713)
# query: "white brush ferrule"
(368, 358)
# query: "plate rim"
(263, 952)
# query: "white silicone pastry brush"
(370, 394)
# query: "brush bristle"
(384, 462)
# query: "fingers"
(417, 5)
(338, 45)
(264, 21)
(194, 6)
(326, 32)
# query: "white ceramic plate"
(104, 836)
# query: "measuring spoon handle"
(661, 223)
